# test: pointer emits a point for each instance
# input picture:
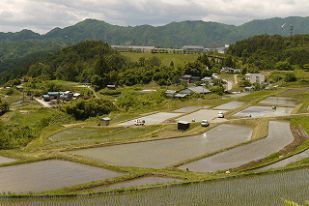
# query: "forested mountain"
(176, 34)
(269, 52)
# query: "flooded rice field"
(279, 101)
(264, 111)
(199, 116)
(230, 105)
(279, 136)
(143, 181)
(287, 161)
(268, 189)
(48, 175)
(153, 119)
(162, 153)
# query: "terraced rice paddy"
(162, 153)
(144, 181)
(287, 161)
(230, 105)
(279, 101)
(190, 109)
(264, 111)
(4, 160)
(259, 190)
(279, 136)
(153, 119)
(48, 175)
(199, 116)
(88, 135)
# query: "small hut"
(105, 121)
(183, 125)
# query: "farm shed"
(183, 125)
(105, 121)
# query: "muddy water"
(48, 175)
(279, 101)
(162, 153)
(279, 136)
(264, 111)
(230, 105)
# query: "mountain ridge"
(174, 34)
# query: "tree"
(83, 109)
(306, 67)
(141, 62)
(154, 61)
(290, 77)
(172, 64)
(195, 69)
(228, 62)
(283, 65)
(217, 90)
(4, 107)
(204, 60)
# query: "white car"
(205, 123)
(220, 115)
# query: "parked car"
(205, 123)
(220, 115)
(140, 122)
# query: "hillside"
(268, 52)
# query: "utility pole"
(291, 31)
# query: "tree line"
(267, 52)
(97, 63)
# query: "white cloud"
(43, 15)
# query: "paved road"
(279, 136)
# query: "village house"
(230, 70)
(194, 90)
(255, 78)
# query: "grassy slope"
(179, 59)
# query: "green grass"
(301, 75)
(179, 59)
(301, 122)
(256, 96)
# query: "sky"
(44, 15)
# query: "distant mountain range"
(173, 35)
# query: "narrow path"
(94, 92)
(235, 79)
(43, 103)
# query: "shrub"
(217, 90)
(15, 136)
(282, 76)
(4, 107)
(83, 109)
